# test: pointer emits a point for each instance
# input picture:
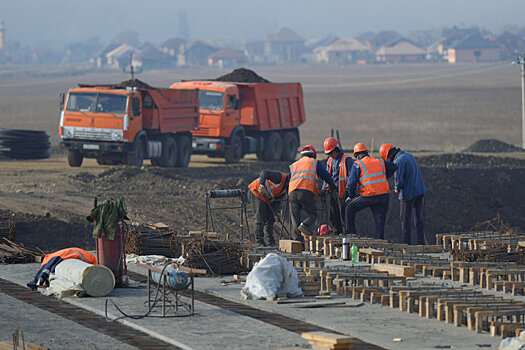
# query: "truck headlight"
(68, 133)
(116, 136)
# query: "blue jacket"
(356, 173)
(407, 178)
(335, 168)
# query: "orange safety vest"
(275, 189)
(343, 173)
(372, 181)
(72, 253)
(303, 176)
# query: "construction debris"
(325, 340)
(217, 257)
(15, 253)
(148, 240)
(242, 75)
(7, 229)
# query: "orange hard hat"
(360, 147)
(385, 148)
(324, 229)
(330, 144)
(309, 149)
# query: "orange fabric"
(276, 189)
(372, 180)
(72, 253)
(303, 176)
(343, 173)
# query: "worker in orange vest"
(304, 189)
(339, 165)
(368, 177)
(266, 194)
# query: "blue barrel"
(176, 280)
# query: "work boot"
(305, 230)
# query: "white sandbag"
(95, 280)
(62, 287)
(272, 276)
(514, 343)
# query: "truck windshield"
(211, 100)
(97, 103)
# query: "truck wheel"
(184, 151)
(273, 148)
(260, 155)
(234, 153)
(290, 144)
(74, 158)
(168, 157)
(136, 158)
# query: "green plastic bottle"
(354, 254)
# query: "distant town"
(450, 45)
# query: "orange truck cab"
(242, 118)
(126, 124)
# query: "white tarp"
(272, 276)
(514, 343)
(73, 277)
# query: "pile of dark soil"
(462, 160)
(242, 75)
(134, 83)
(492, 146)
(50, 234)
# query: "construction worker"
(369, 177)
(408, 182)
(303, 190)
(339, 165)
(265, 194)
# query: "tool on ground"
(229, 193)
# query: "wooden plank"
(318, 305)
(396, 270)
(326, 337)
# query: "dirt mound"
(492, 146)
(242, 75)
(134, 83)
(462, 160)
(49, 234)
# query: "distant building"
(383, 38)
(2, 36)
(227, 58)
(474, 48)
(151, 57)
(342, 52)
(512, 45)
(196, 54)
(173, 46)
(402, 51)
(521, 33)
(120, 56)
(284, 46)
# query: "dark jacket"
(106, 217)
(407, 178)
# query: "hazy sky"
(60, 22)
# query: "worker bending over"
(408, 182)
(339, 165)
(266, 193)
(369, 177)
(303, 190)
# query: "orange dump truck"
(241, 118)
(127, 123)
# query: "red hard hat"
(309, 149)
(359, 147)
(324, 229)
(385, 148)
(330, 144)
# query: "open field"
(425, 106)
